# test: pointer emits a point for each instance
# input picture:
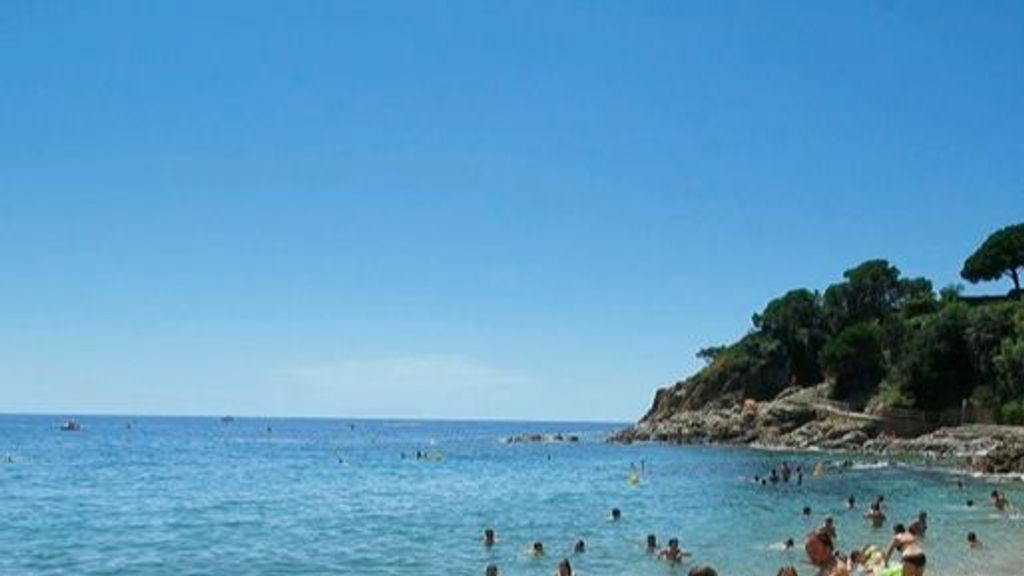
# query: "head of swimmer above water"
(819, 547)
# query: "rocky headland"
(804, 419)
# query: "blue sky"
(501, 210)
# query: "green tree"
(1008, 362)
(871, 291)
(987, 328)
(1009, 365)
(1002, 254)
(934, 366)
(916, 297)
(854, 359)
(795, 320)
(710, 353)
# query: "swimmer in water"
(537, 549)
(829, 526)
(807, 511)
(912, 556)
(491, 570)
(489, 538)
(652, 543)
(921, 523)
(960, 485)
(579, 547)
(970, 503)
(673, 553)
(616, 515)
(564, 568)
(972, 541)
(851, 503)
(875, 516)
(788, 544)
(787, 571)
(999, 500)
(702, 571)
(820, 551)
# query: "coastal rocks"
(798, 418)
(988, 449)
(541, 438)
(785, 416)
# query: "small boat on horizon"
(227, 419)
(71, 425)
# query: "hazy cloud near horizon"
(428, 383)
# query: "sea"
(266, 496)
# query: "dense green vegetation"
(883, 339)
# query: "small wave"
(872, 465)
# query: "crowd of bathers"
(671, 552)
(782, 473)
(871, 560)
(819, 544)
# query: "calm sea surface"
(178, 496)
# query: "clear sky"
(469, 209)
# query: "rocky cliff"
(797, 418)
(805, 419)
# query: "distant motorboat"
(71, 425)
(227, 418)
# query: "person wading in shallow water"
(875, 515)
(911, 554)
(821, 552)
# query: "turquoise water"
(198, 496)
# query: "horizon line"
(356, 418)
